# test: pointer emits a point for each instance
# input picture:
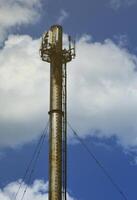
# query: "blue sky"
(102, 95)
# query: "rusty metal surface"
(52, 52)
(55, 154)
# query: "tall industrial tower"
(52, 52)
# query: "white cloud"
(14, 13)
(37, 191)
(102, 91)
(116, 4)
(104, 76)
(63, 16)
(24, 89)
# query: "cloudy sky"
(102, 95)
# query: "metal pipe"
(64, 134)
(51, 51)
(55, 137)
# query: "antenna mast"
(52, 52)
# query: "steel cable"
(123, 195)
(32, 164)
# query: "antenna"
(74, 49)
(52, 51)
(69, 39)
